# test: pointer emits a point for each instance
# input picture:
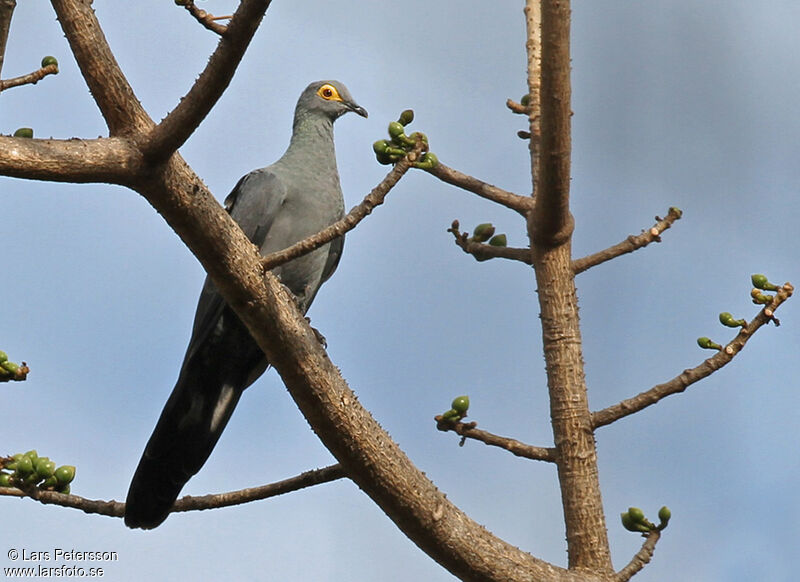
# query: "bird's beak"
(355, 108)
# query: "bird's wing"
(253, 204)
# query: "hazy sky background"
(684, 103)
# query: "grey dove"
(276, 206)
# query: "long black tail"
(190, 425)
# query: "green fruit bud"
(44, 467)
(396, 129)
(498, 240)
(32, 454)
(6, 480)
(636, 514)
(526, 100)
(65, 489)
(50, 483)
(760, 282)
(427, 162)
(406, 117)
(708, 344)
(461, 405)
(418, 135)
(65, 474)
(664, 514)
(380, 146)
(629, 524)
(483, 232)
(3, 356)
(24, 132)
(24, 466)
(10, 367)
(727, 320)
(48, 60)
(758, 298)
(451, 415)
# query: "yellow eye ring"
(329, 93)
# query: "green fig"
(631, 525)
(728, 320)
(24, 132)
(451, 415)
(708, 344)
(406, 117)
(65, 489)
(636, 514)
(50, 483)
(32, 454)
(758, 298)
(48, 60)
(44, 467)
(6, 480)
(380, 146)
(10, 367)
(760, 282)
(483, 232)
(461, 405)
(396, 129)
(526, 100)
(65, 474)
(427, 162)
(3, 356)
(24, 466)
(498, 240)
(664, 514)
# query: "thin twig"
(484, 252)
(207, 19)
(642, 557)
(375, 198)
(188, 503)
(689, 377)
(508, 199)
(29, 79)
(630, 244)
(467, 430)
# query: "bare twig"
(375, 198)
(207, 19)
(508, 199)
(630, 244)
(188, 503)
(173, 131)
(689, 377)
(29, 79)
(520, 449)
(484, 252)
(642, 557)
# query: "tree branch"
(521, 204)
(112, 160)
(6, 12)
(110, 89)
(533, 25)
(173, 131)
(468, 430)
(630, 244)
(689, 377)
(208, 20)
(187, 503)
(641, 559)
(375, 198)
(484, 252)
(29, 79)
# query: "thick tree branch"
(187, 503)
(484, 252)
(6, 12)
(550, 222)
(533, 25)
(521, 204)
(173, 131)
(641, 559)
(689, 377)
(375, 198)
(112, 160)
(109, 87)
(468, 430)
(630, 244)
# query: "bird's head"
(329, 98)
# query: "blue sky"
(688, 104)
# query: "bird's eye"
(329, 93)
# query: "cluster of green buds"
(399, 144)
(761, 283)
(635, 521)
(10, 370)
(458, 409)
(25, 470)
(484, 232)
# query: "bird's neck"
(312, 142)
